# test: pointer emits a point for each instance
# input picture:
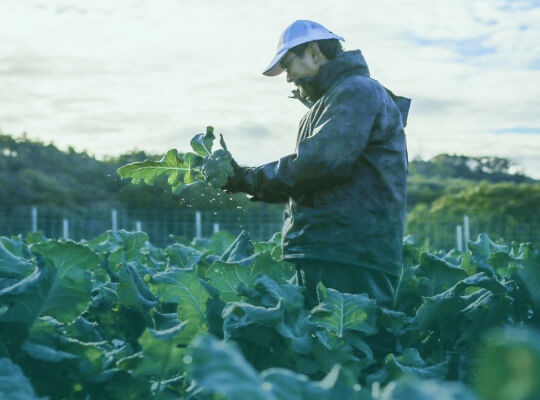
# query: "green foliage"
(204, 166)
(180, 170)
(33, 173)
(503, 207)
(217, 168)
(509, 366)
(13, 384)
(116, 318)
(490, 168)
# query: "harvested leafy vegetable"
(200, 166)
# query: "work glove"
(236, 182)
(222, 171)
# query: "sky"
(110, 76)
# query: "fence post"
(198, 224)
(34, 219)
(65, 225)
(138, 226)
(466, 230)
(216, 227)
(459, 238)
(114, 218)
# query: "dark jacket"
(345, 186)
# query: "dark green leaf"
(148, 171)
(509, 366)
(183, 256)
(203, 142)
(220, 368)
(14, 385)
(239, 315)
(15, 259)
(184, 288)
(440, 274)
(339, 312)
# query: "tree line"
(36, 173)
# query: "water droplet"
(357, 387)
(187, 359)
(267, 386)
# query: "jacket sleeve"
(328, 156)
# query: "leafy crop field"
(223, 318)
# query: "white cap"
(301, 31)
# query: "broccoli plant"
(200, 166)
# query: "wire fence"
(157, 223)
(441, 232)
(451, 232)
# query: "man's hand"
(218, 168)
(236, 181)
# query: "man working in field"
(345, 185)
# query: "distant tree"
(35, 173)
(489, 168)
(508, 210)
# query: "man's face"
(305, 66)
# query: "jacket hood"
(344, 64)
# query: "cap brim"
(274, 68)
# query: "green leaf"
(466, 263)
(133, 292)
(84, 330)
(241, 249)
(183, 256)
(482, 250)
(269, 292)
(339, 312)
(413, 388)
(527, 273)
(61, 289)
(14, 385)
(297, 328)
(240, 315)
(331, 349)
(202, 143)
(509, 366)
(232, 278)
(446, 308)
(162, 354)
(220, 368)
(393, 321)
(487, 311)
(339, 383)
(408, 363)
(193, 163)
(148, 171)
(440, 274)
(15, 259)
(220, 242)
(183, 287)
(119, 384)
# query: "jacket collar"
(344, 64)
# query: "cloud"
(518, 5)
(519, 129)
(161, 73)
(468, 47)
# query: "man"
(345, 185)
